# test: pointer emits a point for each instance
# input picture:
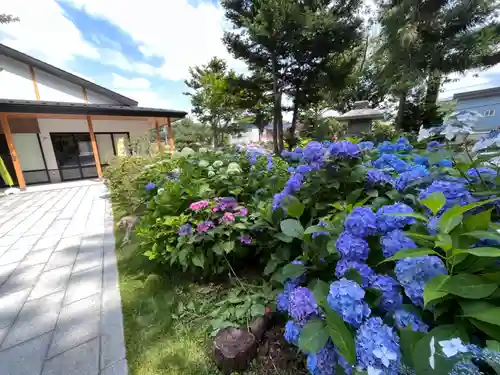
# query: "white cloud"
(121, 82)
(182, 34)
(43, 32)
(470, 81)
(151, 99)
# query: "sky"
(141, 49)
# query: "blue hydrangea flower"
(386, 223)
(377, 347)
(351, 247)
(412, 175)
(348, 368)
(392, 162)
(303, 305)
(420, 160)
(323, 224)
(298, 279)
(391, 297)
(346, 298)
(283, 299)
(324, 362)
(313, 153)
(454, 192)
(486, 173)
(403, 145)
(395, 241)
(433, 146)
(291, 169)
(361, 222)
(185, 230)
(304, 169)
(433, 225)
(291, 155)
(413, 273)
(150, 186)
(376, 177)
(292, 186)
(406, 319)
(269, 164)
(445, 163)
(367, 145)
(465, 367)
(292, 332)
(344, 265)
(345, 149)
(387, 147)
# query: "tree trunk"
(431, 115)
(401, 110)
(276, 106)
(281, 143)
(215, 135)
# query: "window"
(489, 113)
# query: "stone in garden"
(260, 326)
(234, 349)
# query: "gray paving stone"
(11, 304)
(14, 255)
(88, 257)
(118, 368)
(84, 284)
(69, 243)
(3, 249)
(78, 323)
(21, 278)
(36, 317)
(27, 241)
(26, 358)
(82, 360)
(5, 271)
(37, 257)
(3, 333)
(51, 281)
(62, 258)
(47, 242)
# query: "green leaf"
(257, 310)
(198, 260)
(449, 220)
(292, 271)
(410, 253)
(228, 246)
(240, 226)
(468, 286)
(479, 221)
(479, 251)
(493, 345)
(314, 229)
(413, 215)
(293, 206)
(283, 237)
(313, 336)
(271, 266)
(491, 330)
(292, 228)
(218, 249)
(331, 248)
(480, 234)
(353, 196)
(483, 311)
(341, 335)
(408, 340)
(319, 290)
(432, 291)
(434, 202)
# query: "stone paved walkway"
(60, 306)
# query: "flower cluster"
(345, 150)
(406, 319)
(391, 297)
(346, 298)
(390, 162)
(454, 192)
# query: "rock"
(234, 349)
(260, 326)
(12, 191)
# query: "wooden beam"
(170, 135)
(74, 117)
(35, 85)
(94, 147)
(85, 97)
(158, 139)
(12, 148)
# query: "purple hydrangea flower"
(292, 332)
(367, 145)
(454, 192)
(245, 240)
(406, 319)
(304, 169)
(323, 362)
(344, 265)
(413, 273)
(375, 177)
(346, 298)
(386, 223)
(303, 305)
(345, 149)
(391, 297)
(283, 299)
(204, 226)
(412, 175)
(226, 203)
(390, 161)
(269, 164)
(361, 222)
(352, 248)
(377, 347)
(150, 186)
(323, 224)
(395, 241)
(185, 230)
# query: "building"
(485, 102)
(359, 120)
(56, 126)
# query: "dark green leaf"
(432, 290)
(198, 260)
(468, 286)
(410, 253)
(413, 215)
(480, 234)
(240, 226)
(434, 202)
(314, 229)
(313, 336)
(353, 196)
(257, 310)
(493, 345)
(228, 246)
(283, 237)
(292, 228)
(491, 330)
(479, 251)
(293, 206)
(320, 290)
(292, 271)
(480, 310)
(354, 275)
(449, 220)
(479, 221)
(409, 339)
(341, 335)
(331, 247)
(271, 266)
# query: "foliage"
(380, 131)
(7, 18)
(4, 174)
(189, 133)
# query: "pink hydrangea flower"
(196, 206)
(228, 217)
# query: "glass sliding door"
(74, 155)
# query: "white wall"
(47, 126)
(15, 80)
(250, 136)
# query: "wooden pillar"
(13, 153)
(35, 84)
(94, 147)
(158, 139)
(85, 97)
(170, 135)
